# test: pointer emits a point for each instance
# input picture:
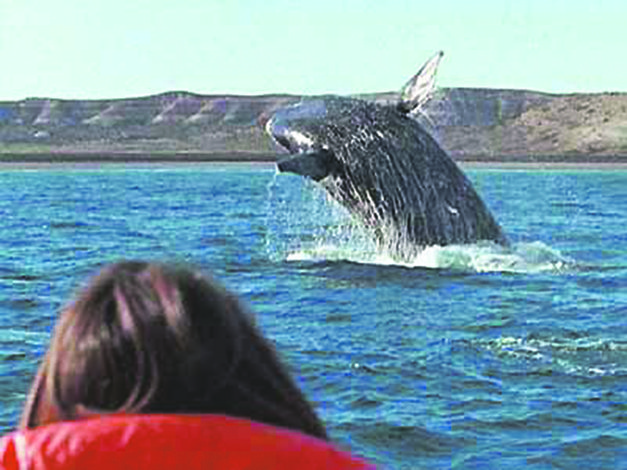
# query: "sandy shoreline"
(94, 160)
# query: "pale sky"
(78, 49)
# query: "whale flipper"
(418, 89)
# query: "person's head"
(154, 338)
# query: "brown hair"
(154, 338)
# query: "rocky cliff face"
(470, 123)
(505, 123)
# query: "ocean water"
(464, 357)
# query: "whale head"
(316, 131)
(299, 130)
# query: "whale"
(380, 162)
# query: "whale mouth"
(316, 165)
(306, 158)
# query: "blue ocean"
(472, 356)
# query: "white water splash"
(305, 225)
(481, 258)
(490, 257)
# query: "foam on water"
(490, 257)
(481, 258)
(588, 357)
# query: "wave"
(400, 440)
(580, 357)
(608, 450)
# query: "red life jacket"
(158, 442)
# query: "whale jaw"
(307, 157)
(316, 165)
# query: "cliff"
(470, 123)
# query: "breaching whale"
(381, 163)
